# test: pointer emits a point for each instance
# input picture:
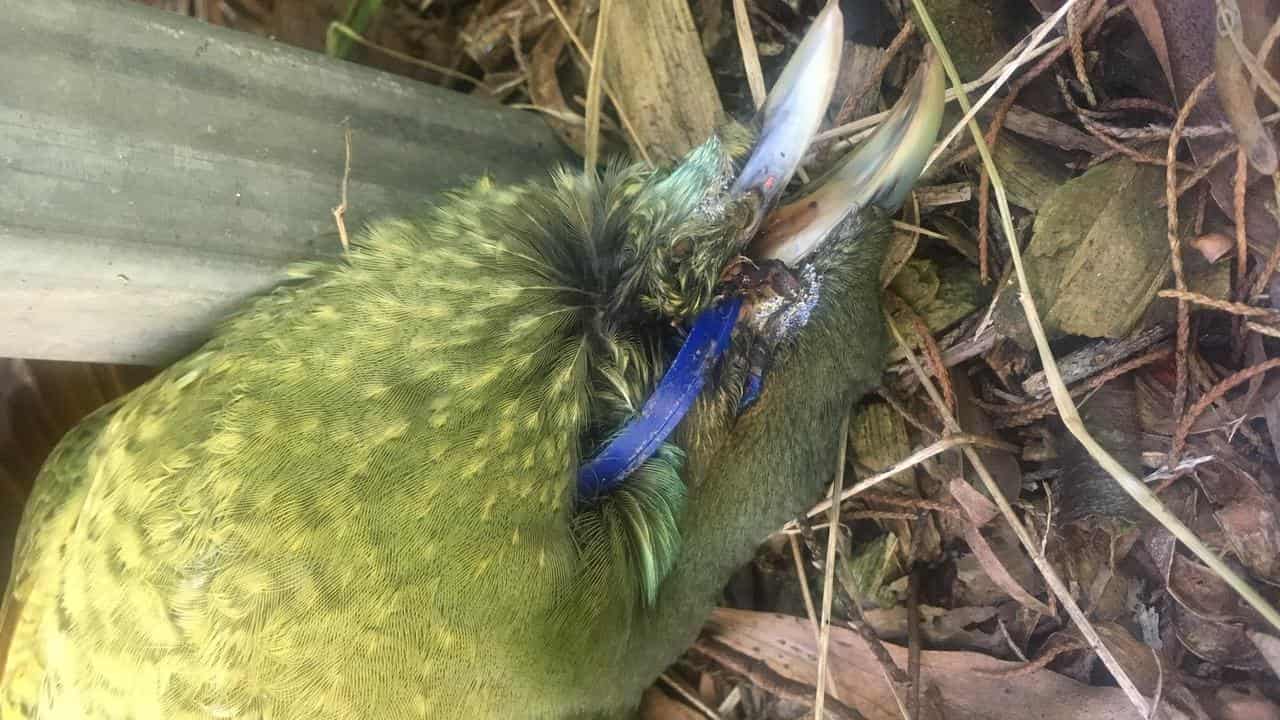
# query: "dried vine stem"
(1175, 253)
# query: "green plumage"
(356, 500)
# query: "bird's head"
(690, 231)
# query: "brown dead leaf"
(1234, 703)
(1252, 528)
(1271, 411)
(544, 83)
(1200, 591)
(1213, 246)
(1220, 643)
(1148, 17)
(1003, 465)
(970, 686)
(954, 628)
(1269, 647)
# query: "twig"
(915, 422)
(1178, 470)
(359, 39)
(1184, 427)
(877, 73)
(1242, 240)
(1234, 308)
(1239, 188)
(689, 696)
(828, 591)
(1040, 663)
(340, 212)
(934, 355)
(953, 440)
(1075, 32)
(1175, 251)
(1024, 414)
(1033, 44)
(1268, 330)
(893, 675)
(1203, 169)
(913, 641)
(993, 135)
(854, 131)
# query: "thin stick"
(1216, 393)
(608, 87)
(1242, 241)
(858, 129)
(750, 56)
(594, 83)
(1025, 57)
(804, 586)
(1067, 409)
(359, 39)
(689, 696)
(828, 589)
(1175, 252)
(1234, 308)
(340, 212)
(1075, 32)
(950, 441)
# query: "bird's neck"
(777, 457)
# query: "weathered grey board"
(156, 171)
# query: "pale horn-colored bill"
(879, 172)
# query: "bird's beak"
(880, 172)
(792, 113)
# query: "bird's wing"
(50, 515)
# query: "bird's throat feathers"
(511, 325)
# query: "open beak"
(792, 113)
(880, 172)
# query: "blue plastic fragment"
(641, 437)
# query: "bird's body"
(351, 447)
(358, 499)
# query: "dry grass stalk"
(1071, 418)
(608, 88)
(828, 589)
(750, 55)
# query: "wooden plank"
(156, 171)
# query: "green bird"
(498, 461)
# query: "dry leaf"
(970, 686)
(1097, 256)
